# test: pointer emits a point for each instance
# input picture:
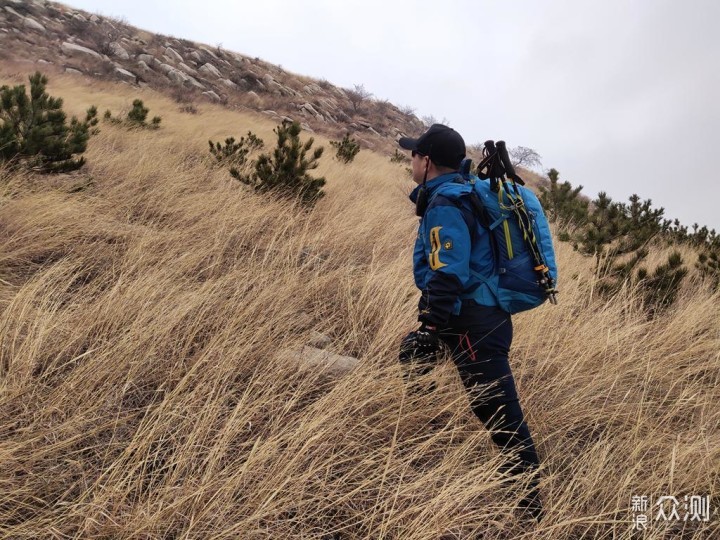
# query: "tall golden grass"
(144, 303)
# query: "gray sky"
(617, 95)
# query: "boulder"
(13, 12)
(187, 69)
(253, 95)
(209, 51)
(334, 364)
(312, 89)
(172, 53)
(328, 103)
(243, 84)
(309, 108)
(338, 91)
(209, 69)
(196, 56)
(143, 66)
(212, 95)
(73, 71)
(125, 74)
(72, 49)
(32, 24)
(192, 80)
(279, 89)
(342, 116)
(147, 58)
(166, 68)
(306, 127)
(318, 340)
(230, 84)
(177, 76)
(119, 51)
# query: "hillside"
(73, 41)
(145, 304)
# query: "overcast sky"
(617, 95)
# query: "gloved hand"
(422, 344)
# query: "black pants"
(479, 340)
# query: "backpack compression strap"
(497, 165)
(523, 219)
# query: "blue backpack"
(525, 268)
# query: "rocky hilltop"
(74, 41)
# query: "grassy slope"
(141, 396)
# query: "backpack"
(525, 268)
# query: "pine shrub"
(662, 287)
(347, 148)
(136, 117)
(562, 202)
(34, 131)
(285, 171)
(399, 157)
(708, 264)
(235, 153)
(138, 113)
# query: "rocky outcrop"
(173, 54)
(119, 51)
(73, 49)
(32, 24)
(230, 84)
(211, 70)
(187, 69)
(59, 32)
(125, 74)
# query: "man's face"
(419, 162)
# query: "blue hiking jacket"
(450, 243)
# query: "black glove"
(422, 345)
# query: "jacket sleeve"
(447, 251)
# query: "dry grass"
(141, 394)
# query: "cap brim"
(407, 143)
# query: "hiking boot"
(531, 506)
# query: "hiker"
(455, 308)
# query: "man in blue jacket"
(456, 308)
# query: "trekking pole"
(507, 164)
(494, 166)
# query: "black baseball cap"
(442, 144)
